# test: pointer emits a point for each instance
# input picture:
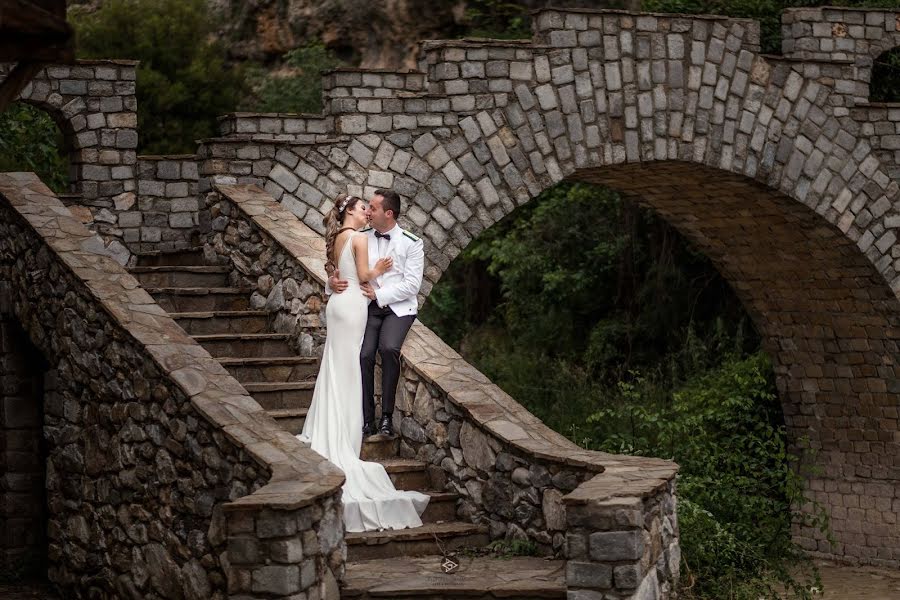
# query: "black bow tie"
(386, 236)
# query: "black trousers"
(385, 333)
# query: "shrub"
(31, 141)
(300, 90)
(183, 81)
(740, 489)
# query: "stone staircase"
(220, 318)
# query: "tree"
(183, 81)
(301, 90)
(31, 141)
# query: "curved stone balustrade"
(773, 166)
(165, 478)
(613, 516)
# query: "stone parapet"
(586, 28)
(513, 472)
(300, 128)
(839, 33)
(348, 82)
(160, 468)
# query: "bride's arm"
(361, 256)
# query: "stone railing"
(164, 478)
(299, 128)
(612, 516)
(246, 237)
(839, 33)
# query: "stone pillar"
(22, 497)
(285, 554)
(623, 547)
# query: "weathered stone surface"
(144, 424)
(476, 449)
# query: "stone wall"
(855, 36)
(299, 128)
(164, 478)
(94, 104)
(22, 502)
(514, 474)
(263, 262)
(622, 541)
(765, 163)
(833, 33)
(760, 161)
(880, 125)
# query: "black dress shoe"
(368, 429)
(386, 425)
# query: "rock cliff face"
(371, 34)
(365, 33)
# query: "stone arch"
(93, 102)
(68, 143)
(755, 158)
(879, 72)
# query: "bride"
(333, 425)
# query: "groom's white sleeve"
(412, 278)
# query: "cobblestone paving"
(842, 582)
(421, 577)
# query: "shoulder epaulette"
(410, 236)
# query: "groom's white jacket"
(399, 287)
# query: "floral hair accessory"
(344, 203)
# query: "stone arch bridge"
(777, 167)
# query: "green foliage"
(886, 78)
(301, 90)
(497, 19)
(740, 488)
(183, 81)
(603, 274)
(31, 141)
(602, 321)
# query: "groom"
(393, 304)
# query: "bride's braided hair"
(333, 220)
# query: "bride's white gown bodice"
(333, 425)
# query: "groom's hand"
(337, 284)
(367, 290)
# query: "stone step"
(177, 299)
(245, 345)
(407, 474)
(477, 578)
(192, 256)
(441, 508)
(290, 419)
(223, 321)
(379, 447)
(286, 395)
(417, 541)
(277, 369)
(181, 276)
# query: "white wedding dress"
(333, 425)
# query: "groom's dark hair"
(391, 201)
